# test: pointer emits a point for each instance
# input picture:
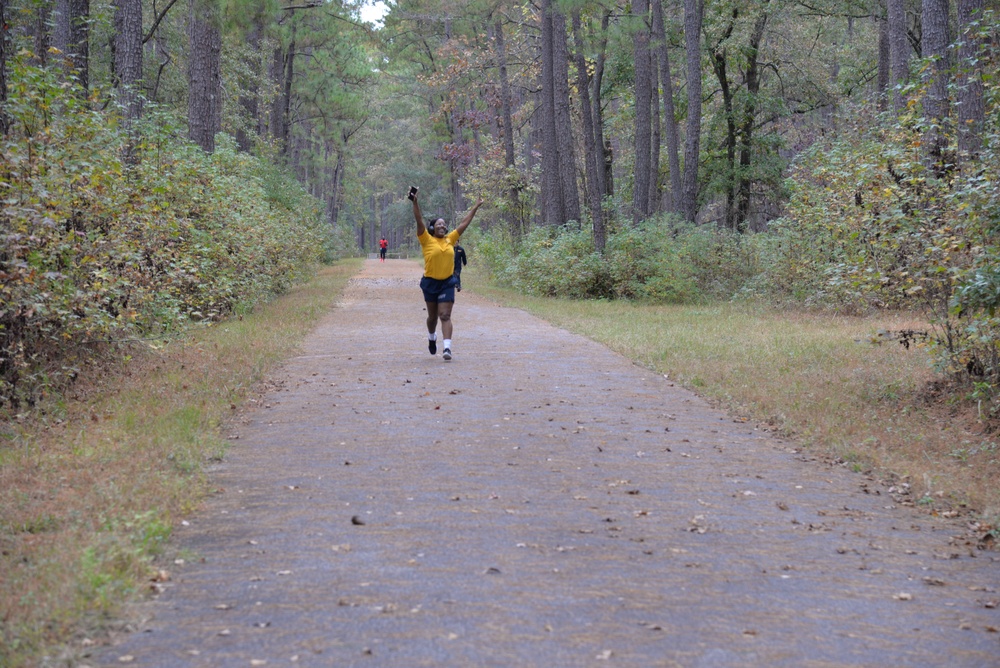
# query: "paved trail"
(540, 501)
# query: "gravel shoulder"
(539, 501)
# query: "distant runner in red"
(382, 246)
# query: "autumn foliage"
(93, 253)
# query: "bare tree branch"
(156, 23)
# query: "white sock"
(447, 343)
(432, 337)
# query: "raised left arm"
(468, 217)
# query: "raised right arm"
(421, 228)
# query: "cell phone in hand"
(412, 193)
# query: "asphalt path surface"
(539, 501)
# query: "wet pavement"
(539, 501)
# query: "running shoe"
(447, 354)
(432, 346)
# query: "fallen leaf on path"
(696, 525)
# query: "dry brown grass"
(89, 493)
(827, 381)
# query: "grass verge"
(827, 381)
(88, 494)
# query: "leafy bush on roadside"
(658, 261)
(872, 223)
(92, 252)
(556, 262)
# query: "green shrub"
(658, 261)
(92, 252)
(873, 223)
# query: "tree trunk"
(752, 78)
(533, 153)
(692, 143)
(286, 93)
(337, 186)
(935, 41)
(276, 75)
(564, 119)
(643, 97)
(593, 158)
(204, 74)
(514, 220)
(72, 37)
(899, 52)
(79, 41)
(4, 50)
(654, 139)
(42, 34)
(553, 209)
(882, 80)
(720, 57)
(673, 193)
(454, 166)
(60, 26)
(606, 182)
(128, 62)
(971, 108)
(250, 91)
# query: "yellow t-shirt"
(439, 254)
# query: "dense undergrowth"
(95, 251)
(871, 225)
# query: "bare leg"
(432, 317)
(444, 312)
